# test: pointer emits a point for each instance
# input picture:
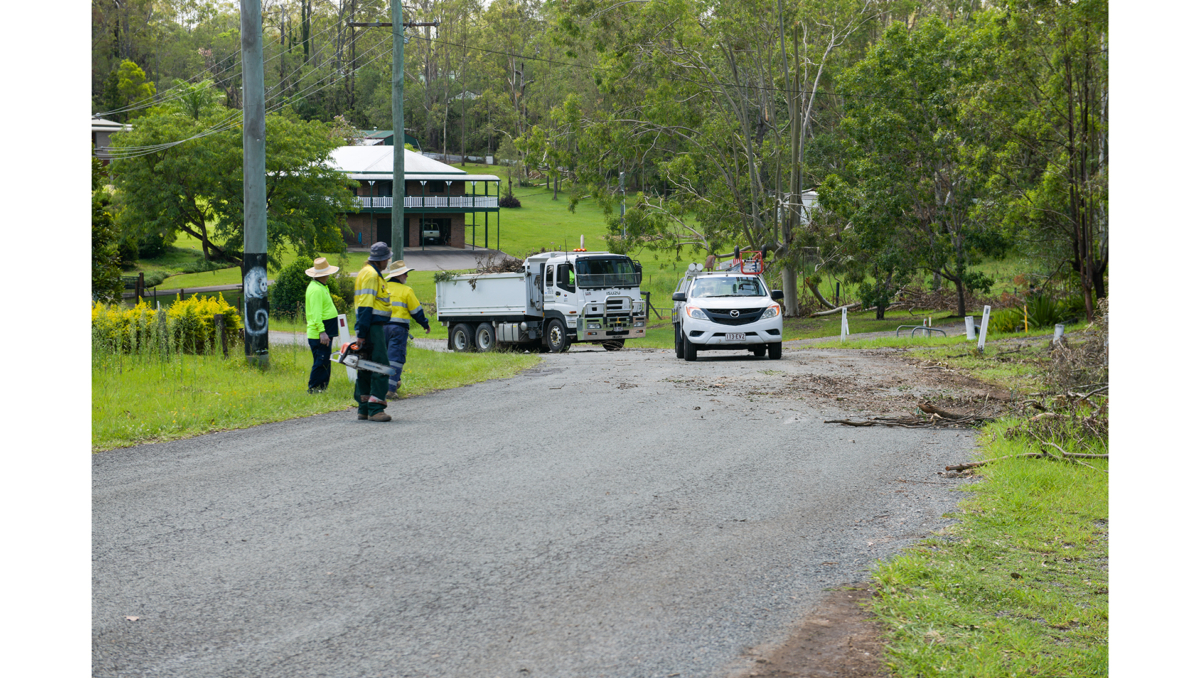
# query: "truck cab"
(730, 309)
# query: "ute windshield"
(732, 286)
(597, 272)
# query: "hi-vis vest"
(370, 291)
(404, 302)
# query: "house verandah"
(443, 205)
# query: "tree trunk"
(791, 299)
(962, 297)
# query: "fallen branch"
(977, 464)
(835, 310)
(930, 408)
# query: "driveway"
(602, 514)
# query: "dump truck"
(555, 300)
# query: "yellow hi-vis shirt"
(372, 305)
(405, 306)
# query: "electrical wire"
(232, 121)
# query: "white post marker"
(344, 338)
(987, 312)
(845, 325)
(970, 327)
(1058, 332)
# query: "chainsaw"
(351, 357)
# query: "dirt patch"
(838, 639)
(880, 382)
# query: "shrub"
(510, 201)
(186, 326)
(190, 322)
(287, 292)
(1006, 320)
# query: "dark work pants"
(397, 348)
(373, 383)
(318, 379)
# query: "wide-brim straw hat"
(321, 268)
(397, 268)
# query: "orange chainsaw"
(352, 357)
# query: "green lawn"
(139, 399)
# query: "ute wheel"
(759, 351)
(775, 350)
(485, 338)
(689, 349)
(678, 342)
(613, 344)
(461, 338)
(556, 336)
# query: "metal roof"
(364, 163)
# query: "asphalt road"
(604, 514)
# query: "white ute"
(727, 310)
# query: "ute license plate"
(735, 336)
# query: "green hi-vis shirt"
(318, 307)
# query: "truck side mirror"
(777, 295)
(679, 296)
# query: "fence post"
(845, 325)
(987, 312)
(141, 287)
(219, 323)
(970, 328)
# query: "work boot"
(392, 395)
(362, 417)
(380, 416)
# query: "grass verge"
(141, 399)
(1018, 586)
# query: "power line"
(231, 121)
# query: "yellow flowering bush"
(187, 325)
(191, 323)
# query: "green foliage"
(1006, 320)
(191, 186)
(510, 201)
(286, 295)
(106, 271)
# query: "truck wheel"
(759, 351)
(613, 345)
(485, 338)
(678, 342)
(556, 336)
(689, 349)
(775, 350)
(461, 339)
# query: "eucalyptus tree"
(718, 98)
(1050, 111)
(914, 154)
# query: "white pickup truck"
(726, 310)
(556, 299)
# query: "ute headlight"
(772, 311)
(696, 312)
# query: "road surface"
(603, 514)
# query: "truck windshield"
(739, 286)
(594, 272)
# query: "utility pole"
(254, 187)
(398, 39)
